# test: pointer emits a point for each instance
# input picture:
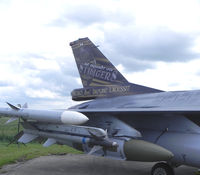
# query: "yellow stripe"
(94, 84)
(100, 81)
(78, 45)
(99, 95)
(102, 59)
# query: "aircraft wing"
(145, 110)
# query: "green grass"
(7, 131)
(14, 153)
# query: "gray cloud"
(84, 14)
(117, 29)
(159, 45)
(134, 51)
(137, 50)
(61, 81)
(5, 83)
(87, 14)
(123, 43)
(33, 55)
(129, 62)
(20, 97)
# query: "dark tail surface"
(94, 68)
(97, 72)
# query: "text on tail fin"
(94, 68)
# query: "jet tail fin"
(99, 76)
(94, 68)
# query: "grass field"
(7, 131)
(14, 152)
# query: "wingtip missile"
(50, 116)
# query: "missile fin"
(94, 149)
(13, 107)
(97, 133)
(25, 105)
(49, 142)
(12, 119)
(26, 138)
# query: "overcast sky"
(152, 42)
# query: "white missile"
(73, 118)
(47, 116)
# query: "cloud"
(137, 49)
(84, 14)
(124, 41)
(57, 75)
(41, 93)
(87, 13)
(37, 64)
(159, 44)
(36, 78)
(5, 83)
(169, 76)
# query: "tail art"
(94, 68)
(99, 76)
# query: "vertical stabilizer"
(94, 68)
(99, 76)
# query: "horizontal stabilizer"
(49, 142)
(12, 119)
(26, 138)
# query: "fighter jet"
(120, 120)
